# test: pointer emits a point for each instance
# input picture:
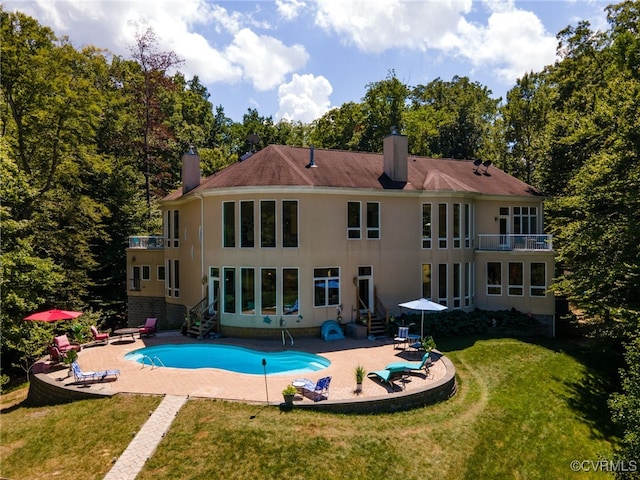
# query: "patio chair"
(55, 355)
(63, 344)
(81, 376)
(402, 337)
(149, 327)
(408, 366)
(317, 391)
(99, 337)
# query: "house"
(291, 237)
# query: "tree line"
(91, 140)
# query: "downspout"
(203, 292)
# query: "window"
(176, 228)
(229, 285)
(268, 283)
(525, 220)
(516, 279)
(467, 284)
(176, 278)
(172, 280)
(373, 220)
(246, 225)
(494, 278)
(290, 298)
(442, 225)
(146, 272)
(426, 226)
(457, 225)
(135, 278)
(538, 279)
(267, 223)
(326, 287)
(228, 224)
(289, 223)
(248, 289)
(468, 225)
(442, 284)
(161, 276)
(168, 231)
(168, 282)
(353, 221)
(426, 281)
(457, 280)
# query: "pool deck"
(344, 355)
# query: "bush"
(457, 322)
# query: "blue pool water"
(228, 357)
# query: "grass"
(522, 410)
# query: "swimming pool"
(229, 357)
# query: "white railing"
(146, 242)
(515, 242)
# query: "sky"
(296, 59)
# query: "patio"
(345, 355)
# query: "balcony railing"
(515, 242)
(148, 242)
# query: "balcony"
(515, 242)
(146, 243)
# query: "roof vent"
(311, 163)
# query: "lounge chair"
(317, 391)
(388, 374)
(149, 327)
(402, 337)
(63, 344)
(99, 337)
(81, 376)
(408, 366)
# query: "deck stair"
(202, 320)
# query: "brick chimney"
(190, 170)
(396, 156)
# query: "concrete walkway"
(145, 442)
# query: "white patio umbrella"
(423, 305)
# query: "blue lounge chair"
(424, 363)
(317, 391)
(388, 374)
(81, 376)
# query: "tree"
(340, 128)
(153, 67)
(525, 118)
(383, 108)
(452, 118)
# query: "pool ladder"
(284, 340)
(154, 362)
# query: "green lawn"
(523, 410)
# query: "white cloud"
(289, 9)
(379, 25)
(264, 60)
(511, 43)
(304, 99)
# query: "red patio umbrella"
(53, 315)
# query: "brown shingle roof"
(278, 165)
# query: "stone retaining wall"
(44, 391)
(443, 389)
